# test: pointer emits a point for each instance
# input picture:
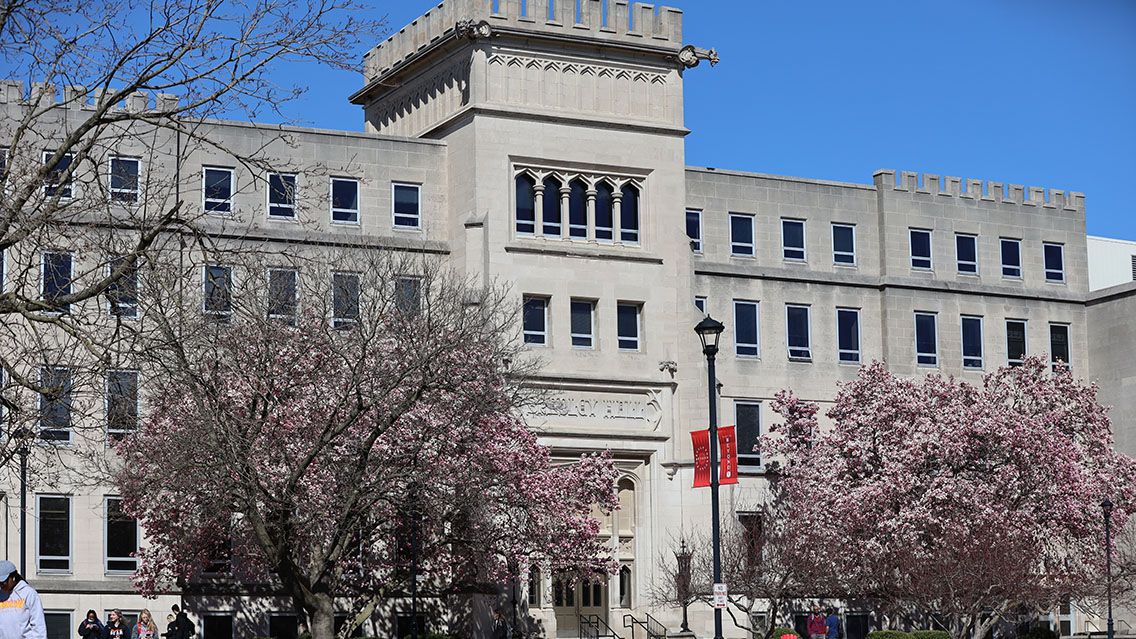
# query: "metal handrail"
(655, 630)
(596, 624)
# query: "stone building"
(545, 147)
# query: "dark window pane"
(920, 249)
(1054, 263)
(282, 294)
(55, 404)
(526, 204)
(551, 207)
(694, 229)
(627, 321)
(283, 626)
(966, 250)
(121, 537)
(122, 401)
(748, 418)
(408, 295)
(741, 235)
(534, 320)
(797, 322)
(58, 625)
(1011, 258)
(218, 190)
(926, 342)
(604, 211)
(281, 195)
(577, 209)
(848, 335)
(124, 179)
(745, 328)
(1015, 341)
(56, 184)
(1059, 343)
(972, 342)
(629, 214)
(56, 279)
(217, 627)
(123, 292)
(843, 244)
(344, 201)
(581, 323)
(793, 239)
(406, 205)
(55, 532)
(218, 290)
(344, 299)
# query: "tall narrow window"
(1011, 258)
(848, 335)
(1015, 342)
(694, 230)
(966, 253)
(283, 297)
(551, 207)
(121, 403)
(406, 205)
(217, 190)
(926, 340)
(741, 235)
(535, 320)
(534, 587)
(793, 239)
(605, 198)
(55, 404)
(625, 587)
(628, 319)
(281, 196)
(122, 294)
(971, 341)
(920, 249)
(408, 295)
(797, 332)
(577, 209)
(56, 281)
(747, 416)
(746, 329)
(1059, 345)
(526, 204)
(582, 320)
(124, 179)
(843, 244)
(344, 201)
(58, 182)
(218, 287)
(54, 533)
(629, 214)
(345, 294)
(121, 538)
(1054, 262)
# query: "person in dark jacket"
(116, 627)
(171, 627)
(91, 627)
(183, 626)
(832, 623)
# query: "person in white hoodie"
(21, 613)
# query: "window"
(408, 295)
(121, 403)
(1054, 262)
(966, 253)
(344, 299)
(926, 340)
(577, 209)
(971, 341)
(1134, 268)
(625, 587)
(797, 332)
(122, 294)
(700, 303)
(534, 587)
(605, 198)
(920, 249)
(1015, 342)
(283, 626)
(627, 317)
(1011, 258)
(526, 204)
(535, 320)
(121, 538)
(53, 545)
(747, 416)
(281, 196)
(57, 624)
(56, 280)
(404, 625)
(694, 230)
(843, 244)
(550, 209)
(217, 190)
(1059, 345)
(56, 184)
(741, 235)
(793, 239)
(629, 214)
(848, 335)
(406, 206)
(124, 179)
(218, 285)
(220, 556)
(746, 329)
(344, 201)
(217, 626)
(583, 313)
(55, 404)
(283, 298)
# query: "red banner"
(701, 441)
(727, 455)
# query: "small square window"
(694, 230)
(535, 320)
(405, 204)
(797, 332)
(281, 196)
(628, 318)
(1011, 258)
(582, 322)
(746, 329)
(926, 340)
(966, 253)
(344, 201)
(217, 190)
(920, 249)
(124, 179)
(971, 341)
(58, 183)
(844, 244)
(793, 239)
(848, 335)
(741, 235)
(218, 290)
(1054, 262)
(345, 299)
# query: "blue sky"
(1034, 92)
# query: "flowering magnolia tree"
(967, 502)
(330, 461)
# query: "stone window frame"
(591, 180)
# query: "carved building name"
(580, 408)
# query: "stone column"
(538, 205)
(565, 221)
(616, 217)
(591, 215)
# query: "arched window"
(577, 209)
(551, 206)
(625, 587)
(534, 586)
(625, 516)
(526, 204)
(629, 214)
(604, 199)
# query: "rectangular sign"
(721, 596)
(701, 441)
(727, 455)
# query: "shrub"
(889, 634)
(782, 631)
(931, 634)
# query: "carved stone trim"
(472, 30)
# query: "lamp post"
(682, 582)
(22, 434)
(709, 330)
(1106, 507)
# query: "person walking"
(21, 612)
(171, 627)
(116, 627)
(183, 626)
(145, 628)
(816, 625)
(90, 627)
(832, 623)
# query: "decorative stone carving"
(473, 30)
(638, 411)
(691, 55)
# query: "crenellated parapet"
(978, 190)
(631, 24)
(15, 92)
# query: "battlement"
(602, 20)
(78, 97)
(972, 189)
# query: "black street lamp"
(1106, 507)
(22, 435)
(682, 582)
(709, 330)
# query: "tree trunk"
(321, 617)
